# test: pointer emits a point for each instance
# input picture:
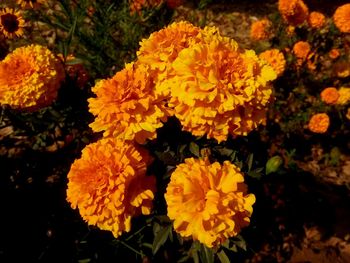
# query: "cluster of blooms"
(213, 88)
(319, 122)
(30, 77)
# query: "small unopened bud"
(273, 164)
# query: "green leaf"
(223, 257)
(250, 161)
(160, 238)
(240, 242)
(206, 254)
(273, 164)
(194, 149)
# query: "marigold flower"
(218, 90)
(138, 5)
(30, 77)
(126, 106)
(344, 96)
(109, 186)
(261, 29)
(319, 123)
(334, 53)
(301, 49)
(163, 47)
(30, 3)
(316, 20)
(294, 12)
(330, 95)
(11, 23)
(208, 201)
(275, 59)
(341, 18)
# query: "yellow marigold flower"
(330, 95)
(319, 123)
(344, 95)
(163, 47)
(261, 29)
(126, 106)
(30, 3)
(316, 20)
(208, 201)
(217, 90)
(138, 5)
(109, 186)
(334, 53)
(30, 77)
(341, 18)
(294, 12)
(275, 59)
(11, 23)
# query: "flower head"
(330, 95)
(301, 50)
(30, 77)
(334, 53)
(341, 18)
(218, 90)
(319, 123)
(261, 29)
(275, 59)
(109, 185)
(344, 96)
(163, 47)
(316, 20)
(294, 12)
(341, 69)
(126, 106)
(208, 201)
(11, 23)
(29, 3)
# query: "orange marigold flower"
(348, 114)
(11, 23)
(30, 3)
(208, 201)
(261, 29)
(275, 59)
(334, 53)
(30, 78)
(294, 12)
(301, 49)
(138, 5)
(330, 95)
(126, 106)
(218, 90)
(163, 47)
(316, 20)
(344, 96)
(109, 186)
(341, 18)
(319, 123)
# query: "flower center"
(10, 23)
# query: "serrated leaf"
(223, 257)
(194, 149)
(160, 238)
